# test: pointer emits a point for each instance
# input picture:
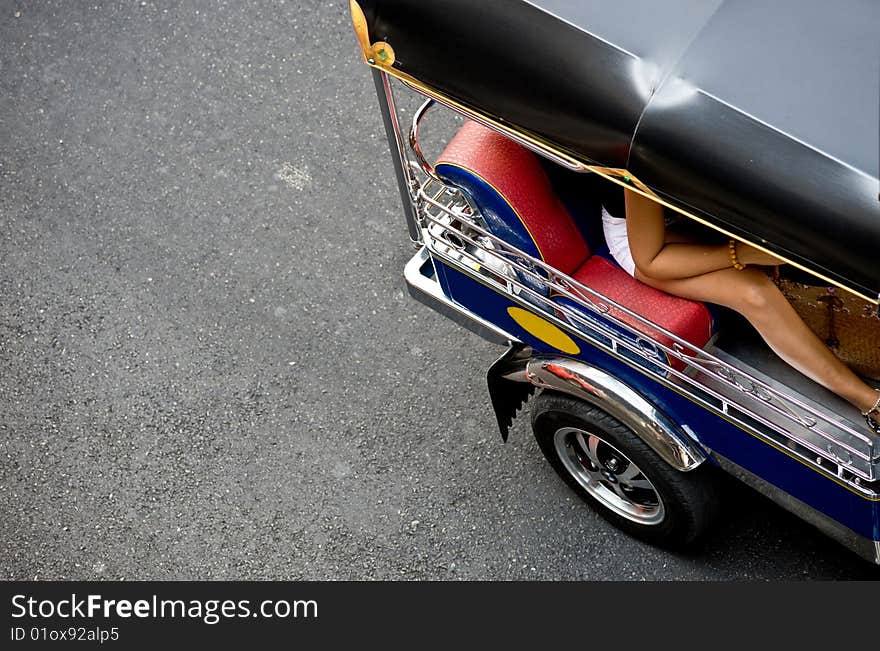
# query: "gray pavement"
(209, 367)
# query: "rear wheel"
(622, 478)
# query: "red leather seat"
(690, 320)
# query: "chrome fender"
(607, 392)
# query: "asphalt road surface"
(209, 366)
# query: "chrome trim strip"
(864, 547)
(428, 292)
(607, 392)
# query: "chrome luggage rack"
(453, 232)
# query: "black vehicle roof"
(761, 118)
(809, 68)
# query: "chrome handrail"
(549, 154)
(585, 297)
(414, 140)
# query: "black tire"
(687, 501)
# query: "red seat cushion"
(688, 319)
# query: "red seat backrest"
(518, 179)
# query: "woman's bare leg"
(754, 295)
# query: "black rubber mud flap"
(509, 395)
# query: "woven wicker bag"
(848, 325)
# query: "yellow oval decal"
(543, 330)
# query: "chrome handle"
(427, 168)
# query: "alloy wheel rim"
(609, 476)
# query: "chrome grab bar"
(495, 125)
(427, 168)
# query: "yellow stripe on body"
(543, 330)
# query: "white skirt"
(618, 243)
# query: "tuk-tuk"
(757, 121)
